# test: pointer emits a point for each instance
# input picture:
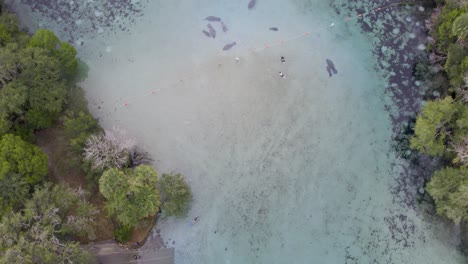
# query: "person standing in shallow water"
(281, 74)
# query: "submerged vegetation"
(41, 217)
(441, 128)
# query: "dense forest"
(441, 127)
(45, 212)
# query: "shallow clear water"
(295, 170)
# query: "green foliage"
(10, 22)
(33, 91)
(18, 156)
(449, 189)
(454, 64)
(443, 27)
(14, 191)
(433, 125)
(460, 26)
(78, 127)
(175, 194)
(123, 233)
(4, 35)
(131, 194)
(33, 236)
(64, 52)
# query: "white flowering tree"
(110, 149)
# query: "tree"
(33, 91)
(460, 27)
(64, 52)
(34, 235)
(110, 149)
(442, 29)
(433, 126)
(175, 193)
(449, 189)
(14, 191)
(20, 157)
(78, 127)
(46, 89)
(75, 212)
(131, 194)
(454, 65)
(4, 35)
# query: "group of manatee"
(211, 33)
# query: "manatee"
(212, 31)
(206, 33)
(213, 18)
(225, 28)
(329, 71)
(332, 66)
(252, 4)
(229, 46)
(274, 29)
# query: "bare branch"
(108, 150)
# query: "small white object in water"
(108, 49)
(421, 8)
(421, 47)
(332, 24)
(79, 42)
(237, 59)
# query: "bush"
(175, 194)
(123, 233)
(78, 127)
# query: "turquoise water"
(295, 170)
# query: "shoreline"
(393, 221)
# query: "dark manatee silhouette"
(229, 46)
(206, 33)
(225, 28)
(252, 4)
(212, 31)
(274, 29)
(329, 71)
(213, 18)
(331, 65)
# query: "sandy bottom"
(294, 170)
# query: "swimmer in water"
(283, 60)
(282, 75)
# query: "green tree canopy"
(20, 157)
(79, 126)
(454, 65)
(64, 52)
(460, 26)
(31, 89)
(433, 125)
(131, 194)
(34, 235)
(14, 191)
(175, 193)
(449, 189)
